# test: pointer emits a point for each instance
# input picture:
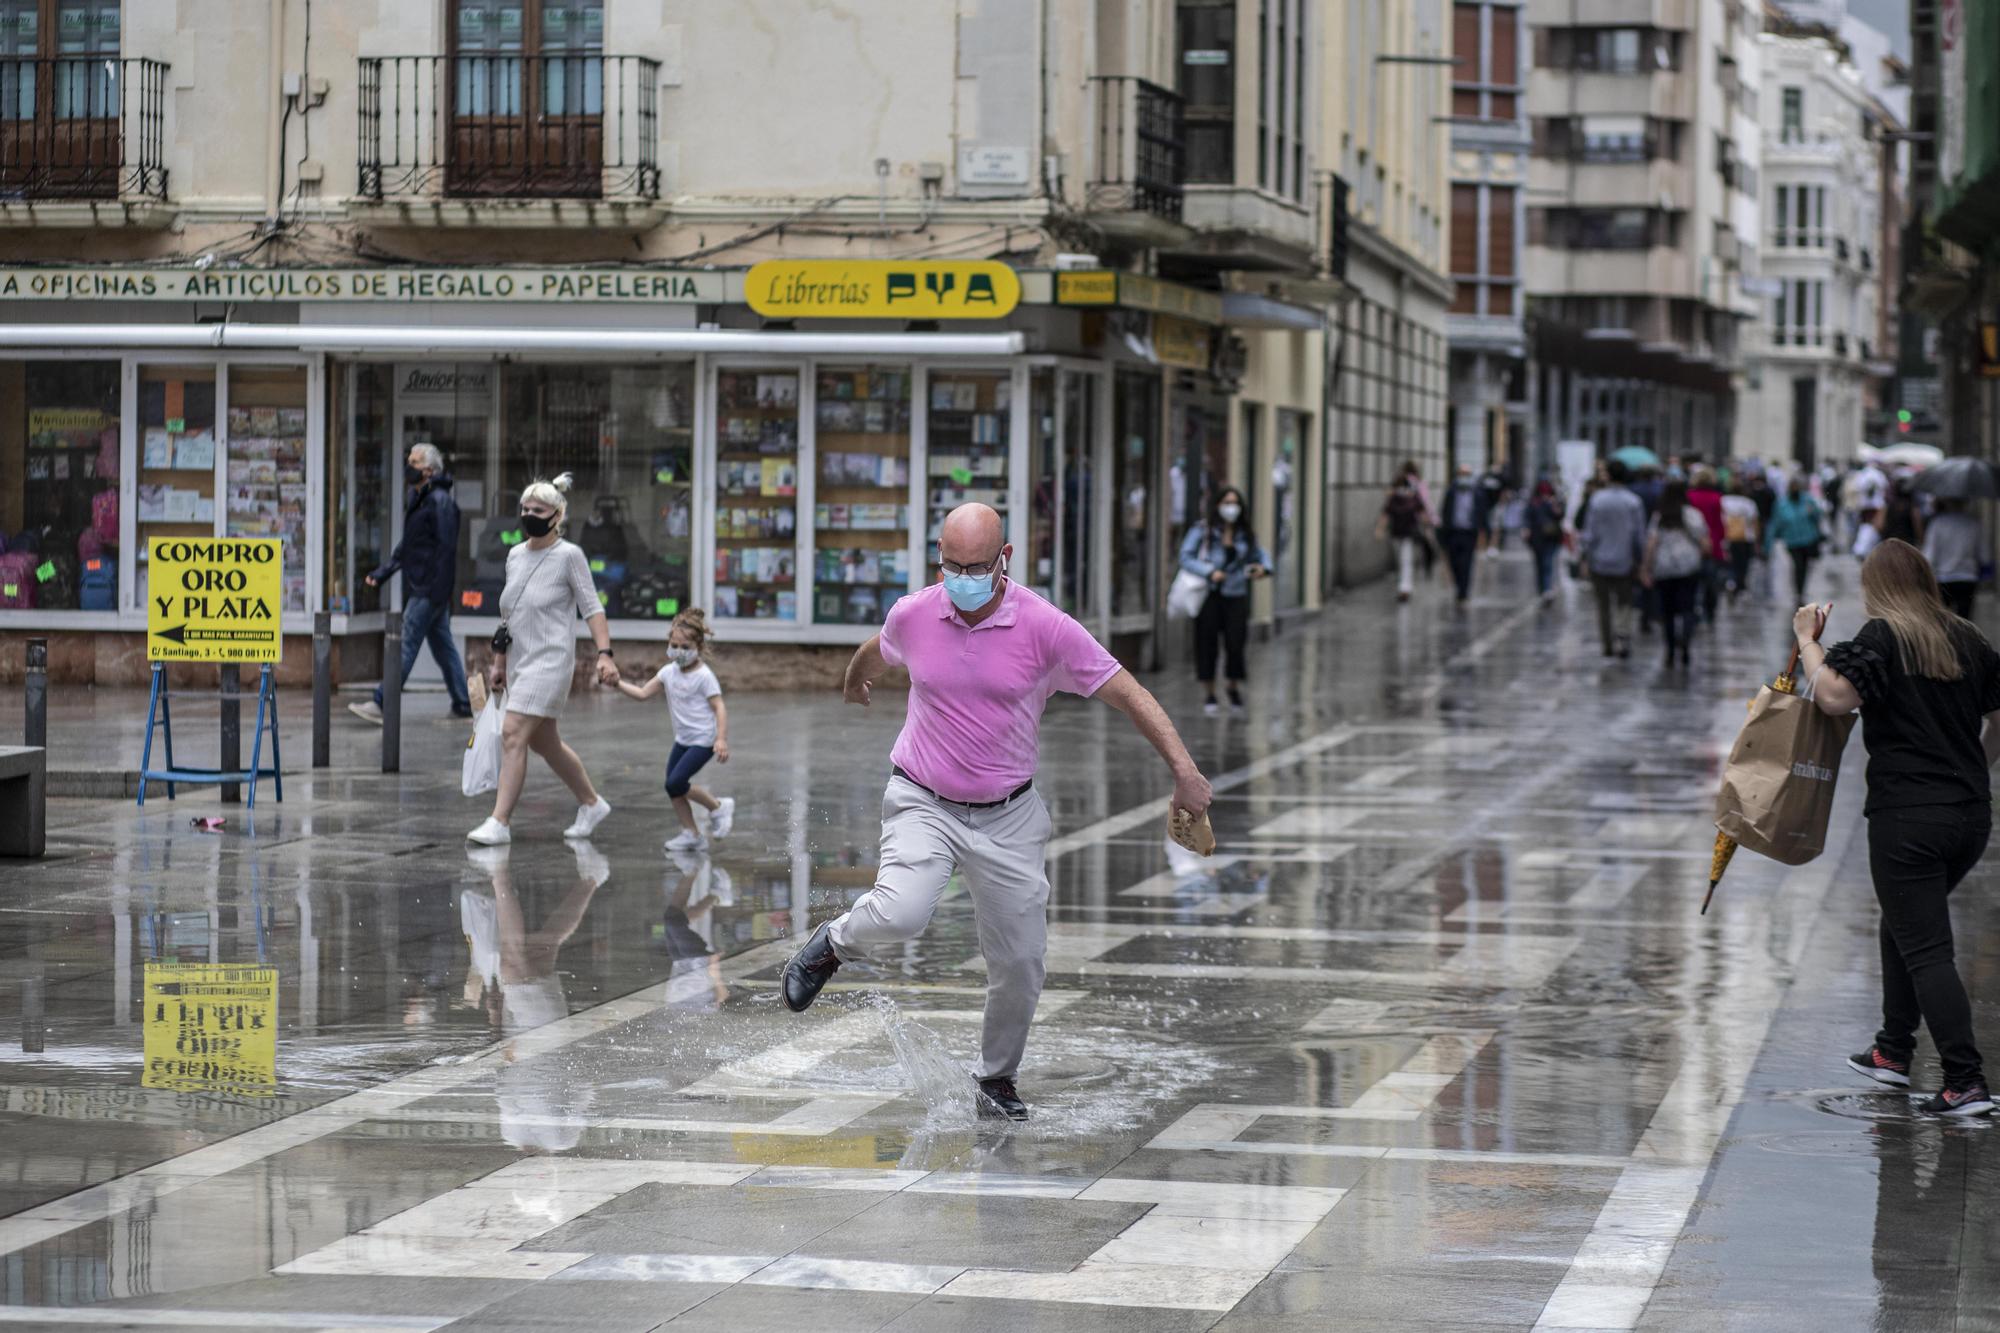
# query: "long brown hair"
(1899, 588)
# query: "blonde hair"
(695, 621)
(1899, 589)
(554, 494)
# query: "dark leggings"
(1958, 597)
(1802, 558)
(1224, 622)
(1917, 857)
(683, 762)
(1677, 618)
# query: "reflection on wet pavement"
(1435, 1039)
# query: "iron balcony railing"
(584, 126)
(1336, 211)
(1141, 157)
(82, 127)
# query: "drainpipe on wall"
(274, 73)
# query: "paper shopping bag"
(1777, 790)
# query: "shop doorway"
(450, 405)
(1067, 509)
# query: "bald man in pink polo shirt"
(984, 654)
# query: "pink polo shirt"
(976, 691)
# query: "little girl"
(701, 728)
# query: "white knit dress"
(546, 591)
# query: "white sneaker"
(588, 817)
(724, 818)
(687, 840)
(492, 833)
(367, 710)
(591, 865)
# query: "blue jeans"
(424, 619)
(1545, 567)
(683, 762)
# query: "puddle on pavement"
(1894, 1107)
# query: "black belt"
(966, 805)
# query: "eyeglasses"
(976, 571)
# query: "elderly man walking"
(984, 654)
(428, 559)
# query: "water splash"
(934, 1074)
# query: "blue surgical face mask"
(969, 592)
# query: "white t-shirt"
(688, 693)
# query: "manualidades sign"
(625, 286)
(882, 289)
(214, 599)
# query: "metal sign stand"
(159, 716)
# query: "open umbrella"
(1636, 457)
(1903, 455)
(1959, 479)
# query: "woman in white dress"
(534, 659)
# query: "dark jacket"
(428, 554)
(1481, 508)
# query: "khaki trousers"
(1003, 854)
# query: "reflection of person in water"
(1921, 1174)
(694, 980)
(514, 969)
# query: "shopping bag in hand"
(1777, 790)
(481, 771)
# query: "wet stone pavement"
(1437, 1039)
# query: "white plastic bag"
(481, 771)
(1187, 595)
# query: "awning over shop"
(1252, 310)
(404, 340)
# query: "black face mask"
(537, 525)
(413, 475)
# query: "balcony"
(549, 140)
(82, 142)
(1661, 94)
(1139, 161)
(1601, 181)
(1659, 271)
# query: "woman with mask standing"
(534, 659)
(1928, 687)
(1223, 550)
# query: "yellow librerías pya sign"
(214, 599)
(882, 289)
(211, 1027)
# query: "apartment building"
(1816, 346)
(778, 284)
(1490, 147)
(1387, 140)
(1642, 219)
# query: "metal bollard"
(35, 730)
(232, 730)
(322, 688)
(392, 692)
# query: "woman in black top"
(1928, 687)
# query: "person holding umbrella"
(1952, 539)
(1928, 687)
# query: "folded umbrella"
(1725, 846)
(1959, 479)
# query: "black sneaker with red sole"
(1883, 1068)
(1973, 1099)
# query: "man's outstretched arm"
(862, 669)
(1124, 693)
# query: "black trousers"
(1802, 559)
(1958, 597)
(1224, 623)
(1917, 857)
(1460, 546)
(1677, 614)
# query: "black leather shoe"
(810, 969)
(997, 1098)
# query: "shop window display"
(1135, 425)
(359, 487)
(968, 424)
(177, 455)
(861, 523)
(626, 436)
(266, 474)
(59, 443)
(756, 495)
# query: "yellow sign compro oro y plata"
(882, 289)
(214, 599)
(211, 1027)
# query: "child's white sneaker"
(588, 817)
(687, 840)
(724, 818)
